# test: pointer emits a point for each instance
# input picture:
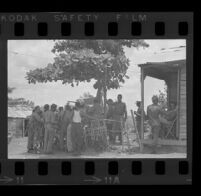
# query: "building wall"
(183, 114)
(15, 125)
(172, 87)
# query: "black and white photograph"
(97, 98)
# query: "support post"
(23, 127)
(142, 103)
(105, 91)
(137, 132)
(178, 103)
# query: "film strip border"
(105, 172)
(89, 29)
(100, 25)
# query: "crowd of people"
(51, 126)
(64, 126)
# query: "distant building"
(87, 101)
(17, 119)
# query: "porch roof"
(161, 70)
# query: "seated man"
(172, 112)
(168, 118)
(120, 117)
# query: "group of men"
(64, 126)
(41, 129)
(116, 118)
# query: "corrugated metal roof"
(19, 111)
(175, 63)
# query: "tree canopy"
(83, 60)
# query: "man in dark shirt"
(120, 116)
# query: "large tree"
(83, 60)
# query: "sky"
(25, 55)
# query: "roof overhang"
(161, 70)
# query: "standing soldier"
(120, 116)
(50, 128)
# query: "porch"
(174, 75)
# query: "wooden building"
(174, 74)
(17, 116)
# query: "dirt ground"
(17, 150)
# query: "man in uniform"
(120, 116)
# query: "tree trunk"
(105, 101)
(99, 94)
